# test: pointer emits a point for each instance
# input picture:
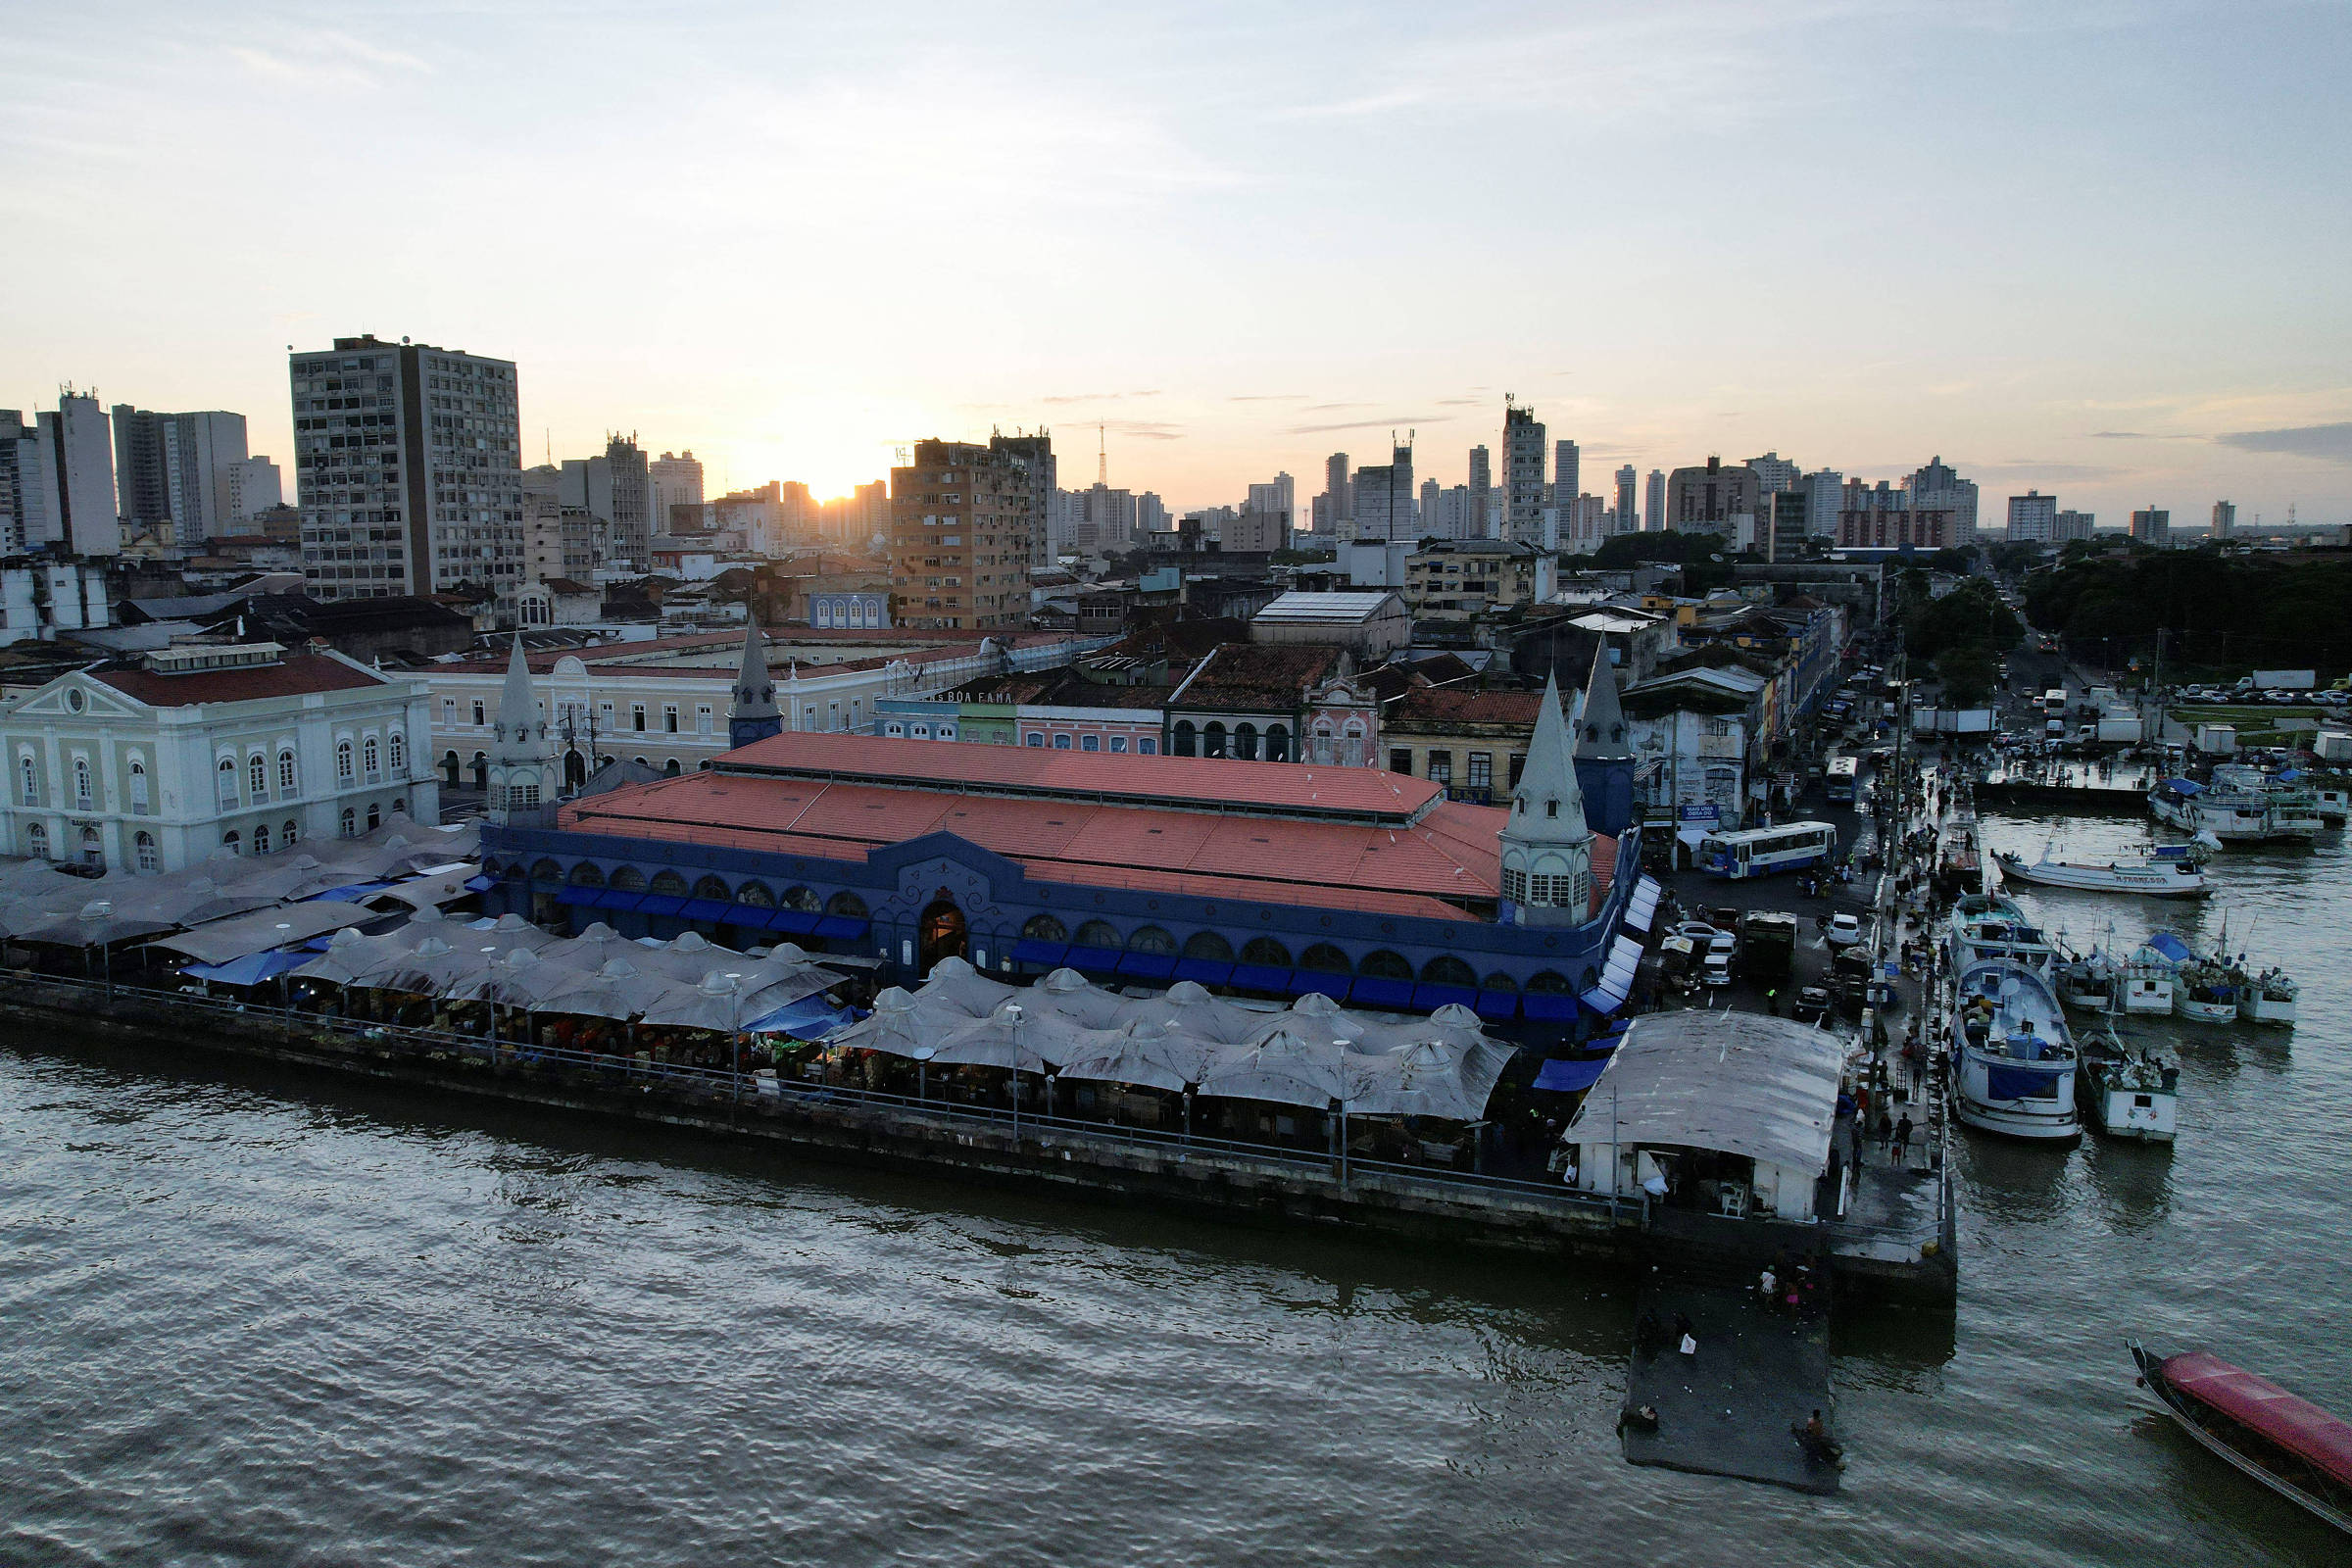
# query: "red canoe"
(2290, 1444)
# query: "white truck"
(2279, 680)
(2119, 725)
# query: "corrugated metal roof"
(1739, 1082)
(1341, 608)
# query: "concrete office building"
(2151, 525)
(255, 486)
(1775, 474)
(673, 479)
(1522, 477)
(1567, 475)
(1653, 502)
(1825, 496)
(1482, 492)
(1151, 515)
(32, 511)
(959, 541)
(69, 500)
(1334, 508)
(2032, 519)
(1711, 498)
(2069, 526)
(407, 466)
(1383, 500)
(2225, 519)
(1936, 488)
(1627, 521)
(180, 474)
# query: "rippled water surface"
(247, 1317)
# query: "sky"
(2092, 245)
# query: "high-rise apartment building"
(407, 466)
(1888, 516)
(2032, 519)
(32, 511)
(1710, 498)
(177, 472)
(2225, 519)
(1335, 507)
(1033, 455)
(1482, 494)
(1523, 477)
(1653, 502)
(1775, 474)
(1825, 496)
(1936, 488)
(1567, 475)
(673, 479)
(632, 495)
(1627, 521)
(2073, 526)
(2152, 525)
(82, 452)
(959, 545)
(1383, 500)
(255, 486)
(1151, 515)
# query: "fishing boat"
(2268, 997)
(2204, 988)
(1986, 925)
(1959, 864)
(2013, 1062)
(2087, 981)
(2149, 978)
(2126, 1096)
(2157, 874)
(2241, 805)
(2290, 1444)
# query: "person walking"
(1903, 1140)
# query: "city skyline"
(792, 331)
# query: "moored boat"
(2150, 975)
(2266, 998)
(2126, 1096)
(2205, 990)
(1959, 864)
(2240, 804)
(2012, 1062)
(2290, 1444)
(1986, 926)
(2158, 876)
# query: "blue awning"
(810, 1018)
(1101, 960)
(798, 922)
(1434, 997)
(661, 904)
(1148, 965)
(250, 970)
(1566, 1077)
(479, 884)
(357, 891)
(840, 927)
(1548, 1007)
(1260, 977)
(573, 894)
(2171, 946)
(615, 898)
(1303, 981)
(1205, 971)
(1497, 1005)
(1048, 954)
(711, 909)
(1370, 992)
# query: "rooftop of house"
(1251, 678)
(1342, 609)
(1434, 707)
(296, 676)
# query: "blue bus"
(1762, 851)
(1844, 772)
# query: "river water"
(251, 1318)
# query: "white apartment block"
(2032, 519)
(408, 463)
(154, 764)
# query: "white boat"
(2206, 989)
(2126, 1096)
(2088, 982)
(2241, 805)
(2266, 998)
(2013, 1062)
(1986, 925)
(2149, 978)
(2156, 874)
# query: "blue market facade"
(908, 905)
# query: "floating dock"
(1726, 1408)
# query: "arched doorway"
(481, 771)
(450, 764)
(944, 935)
(575, 771)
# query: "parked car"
(1813, 1003)
(1704, 938)
(1716, 968)
(1845, 929)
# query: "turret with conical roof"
(1604, 749)
(522, 771)
(755, 716)
(1546, 844)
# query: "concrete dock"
(1726, 1408)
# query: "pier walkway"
(1725, 1410)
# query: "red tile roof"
(1431, 870)
(1447, 706)
(1177, 782)
(294, 676)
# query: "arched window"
(228, 775)
(399, 743)
(1268, 952)
(1209, 947)
(849, 906)
(291, 832)
(142, 849)
(29, 781)
(36, 841)
(1278, 744)
(1549, 982)
(1061, 743)
(289, 774)
(803, 899)
(671, 770)
(400, 805)
(1386, 965)
(1498, 981)
(627, 879)
(138, 783)
(755, 896)
(375, 817)
(1448, 970)
(257, 777)
(367, 759)
(1044, 928)
(82, 783)
(1034, 737)
(1099, 934)
(1153, 939)
(1185, 745)
(587, 875)
(93, 852)
(343, 761)
(1323, 958)
(232, 843)
(260, 838)
(1213, 740)
(1244, 742)
(710, 887)
(546, 872)
(350, 824)
(670, 884)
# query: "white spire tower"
(522, 768)
(1546, 845)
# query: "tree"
(1968, 674)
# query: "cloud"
(1399, 421)
(1267, 397)
(2030, 470)
(2128, 435)
(1145, 432)
(1458, 402)
(1334, 408)
(327, 59)
(2328, 443)
(1099, 396)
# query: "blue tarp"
(2019, 1083)
(250, 970)
(2185, 786)
(354, 893)
(661, 904)
(2172, 947)
(795, 923)
(1566, 1077)
(810, 1018)
(479, 884)
(1031, 951)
